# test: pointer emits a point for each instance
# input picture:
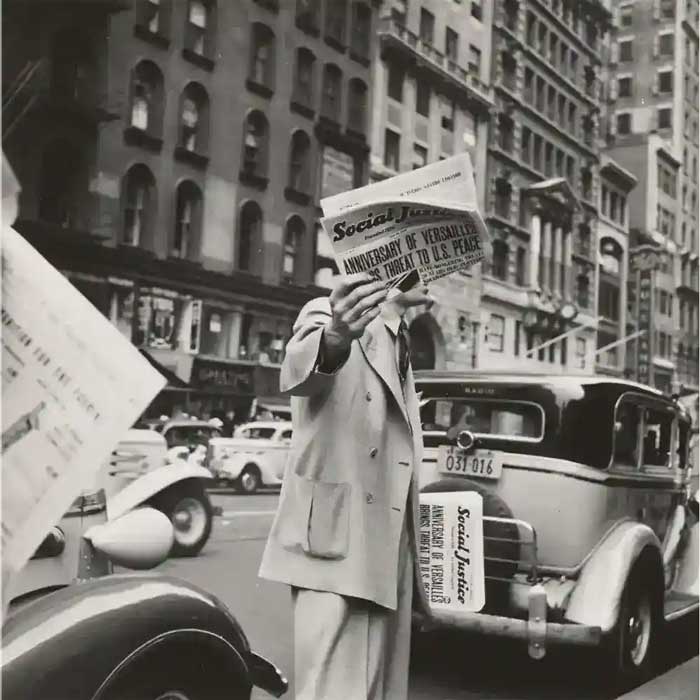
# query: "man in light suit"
(344, 533)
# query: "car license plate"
(483, 464)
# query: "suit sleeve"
(299, 376)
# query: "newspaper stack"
(412, 228)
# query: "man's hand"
(355, 302)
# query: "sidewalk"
(680, 683)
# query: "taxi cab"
(590, 525)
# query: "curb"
(680, 683)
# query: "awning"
(174, 382)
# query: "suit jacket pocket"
(329, 520)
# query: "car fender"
(109, 619)
(145, 487)
(233, 466)
(596, 598)
(689, 568)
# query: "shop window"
(72, 68)
(158, 319)
(357, 106)
(499, 266)
(188, 217)
(262, 56)
(303, 91)
(308, 13)
(263, 339)
(392, 147)
(63, 179)
(147, 98)
(121, 311)
(255, 145)
(658, 431)
(336, 13)
(250, 237)
(199, 31)
(299, 165)
(330, 97)
(217, 332)
(194, 119)
(293, 245)
(361, 29)
(427, 26)
(138, 205)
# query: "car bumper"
(264, 674)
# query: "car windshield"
(506, 419)
(258, 433)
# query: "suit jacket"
(356, 448)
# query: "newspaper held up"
(72, 386)
(451, 550)
(418, 226)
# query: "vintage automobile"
(590, 527)
(255, 456)
(142, 471)
(75, 631)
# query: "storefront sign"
(223, 377)
(337, 172)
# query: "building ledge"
(335, 43)
(300, 108)
(154, 38)
(197, 160)
(259, 182)
(300, 198)
(259, 89)
(198, 60)
(360, 58)
(134, 136)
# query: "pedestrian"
(344, 534)
(229, 423)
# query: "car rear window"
(516, 420)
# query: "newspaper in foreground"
(72, 386)
(451, 550)
(418, 226)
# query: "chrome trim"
(683, 611)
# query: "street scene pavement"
(444, 667)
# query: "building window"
(572, 119)
(666, 44)
(357, 106)
(625, 48)
(626, 15)
(72, 68)
(293, 244)
(392, 147)
(624, 123)
(451, 45)
(361, 29)
(499, 267)
(580, 353)
(474, 61)
(250, 238)
(528, 87)
(423, 98)
(395, 82)
(63, 180)
(496, 332)
(609, 300)
(530, 28)
(427, 26)
(664, 117)
(307, 15)
(505, 132)
(668, 9)
(537, 153)
(587, 183)
(665, 79)
(503, 198)
(525, 145)
(138, 205)
(303, 91)
(336, 13)
(188, 217)
(255, 144)
(262, 56)
(542, 38)
(147, 98)
(583, 291)
(330, 97)
(152, 15)
(509, 65)
(477, 10)
(521, 267)
(420, 156)
(299, 156)
(624, 87)
(194, 118)
(510, 8)
(198, 31)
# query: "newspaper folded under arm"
(414, 227)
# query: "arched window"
(72, 67)
(293, 242)
(299, 162)
(332, 84)
(303, 90)
(188, 220)
(63, 182)
(610, 256)
(499, 267)
(262, 56)
(138, 205)
(199, 29)
(194, 119)
(361, 30)
(357, 106)
(249, 237)
(255, 144)
(147, 98)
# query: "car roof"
(184, 423)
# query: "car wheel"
(249, 480)
(188, 507)
(633, 643)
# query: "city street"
(445, 667)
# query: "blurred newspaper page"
(72, 385)
(417, 226)
(451, 550)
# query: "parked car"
(255, 456)
(590, 527)
(141, 471)
(75, 631)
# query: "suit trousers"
(352, 649)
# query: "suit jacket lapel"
(380, 353)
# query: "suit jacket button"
(368, 396)
(369, 498)
(373, 452)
